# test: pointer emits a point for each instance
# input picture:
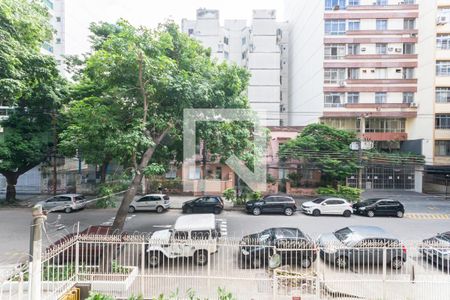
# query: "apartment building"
(367, 66)
(260, 46)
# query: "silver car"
(153, 202)
(65, 202)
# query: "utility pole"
(36, 252)
(362, 131)
(55, 141)
(204, 160)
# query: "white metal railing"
(125, 265)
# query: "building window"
(385, 125)
(335, 27)
(443, 41)
(352, 98)
(408, 97)
(380, 97)
(354, 25)
(442, 148)
(334, 51)
(190, 31)
(382, 24)
(58, 41)
(244, 40)
(334, 4)
(381, 48)
(225, 40)
(47, 47)
(58, 19)
(334, 99)
(334, 76)
(409, 48)
(353, 73)
(443, 121)
(409, 24)
(443, 68)
(381, 2)
(443, 95)
(353, 2)
(353, 49)
(409, 1)
(226, 55)
(244, 55)
(408, 73)
(48, 3)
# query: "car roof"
(281, 229)
(195, 222)
(69, 195)
(364, 232)
(146, 195)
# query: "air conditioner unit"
(363, 49)
(390, 49)
(336, 7)
(413, 35)
(342, 83)
(401, 3)
(414, 104)
(441, 20)
(398, 50)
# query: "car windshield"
(318, 200)
(342, 234)
(444, 237)
(265, 237)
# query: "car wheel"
(189, 210)
(68, 210)
(370, 214)
(257, 263)
(201, 257)
(159, 209)
(217, 211)
(154, 259)
(305, 262)
(256, 211)
(288, 211)
(131, 209)
(347, 214)
(341, 262)
(400, 214)
(316, 213)
(396, 263)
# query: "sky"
(80, 13)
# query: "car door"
(179, 244)
(269, 204)
(64, 202)
(383, 208)
(51, 203)
(153, 202)
(210, 204)
(328, 207)
(143, 203)
(364, 252)
(199, 205)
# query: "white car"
(155, 202)
(193, 236)
(65, 202)
(327, 206)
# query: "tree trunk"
(11, 180)
(103, 170)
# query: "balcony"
(370, 64)
(384, 7)
(385, 136)
(371, 12)
(370, 89)
(371, 110)
(442, 134)
(384, 32)
(348, 39)
(381, 81)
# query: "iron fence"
(180, 266)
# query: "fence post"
(274, 284)
(77, 257)
(20, 287)
(384, 271)
(209, 269)
(36, 252)
(142, 266)
(317, 262)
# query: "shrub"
(229, 194)
(349, 193)
(255, 195)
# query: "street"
(425, 216)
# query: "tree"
(325, 148)
(146, 78)
(30, 85)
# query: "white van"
(193, 236)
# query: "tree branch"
(142, 88)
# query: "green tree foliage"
(137, 82)
(29, 83)
(325, 148)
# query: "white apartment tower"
(261, 47)
(56, 47)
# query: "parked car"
(379, 207)
(90, 253)
(361, 245)
(151, 202)
(293, 246)
(272, 204)
(204, 204)
(437, 250)
(327, 206)
(66, 202)
(193, 236)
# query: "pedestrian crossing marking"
(427, 216)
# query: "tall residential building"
(369, 66)
(56, 47)
(261, 47)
